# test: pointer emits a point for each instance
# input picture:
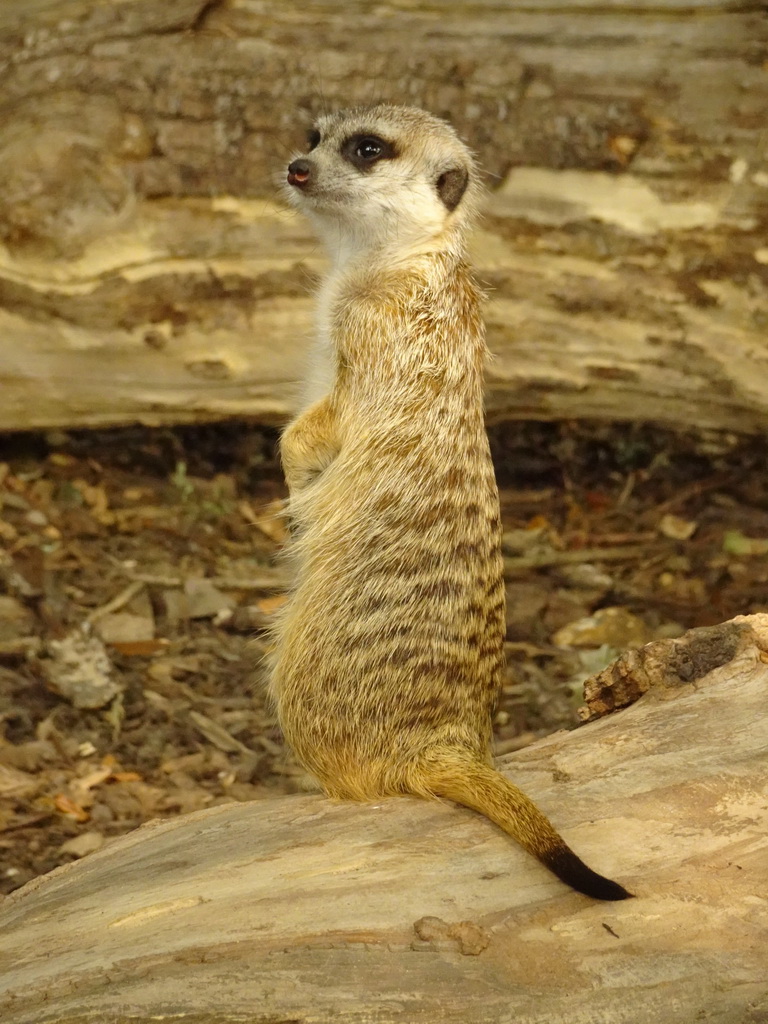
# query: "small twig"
(626, 490)
(275, 582)
(151, 511)
(525, 739)
(32, 819)
(218, 735)
(627, 538)
(543, 559)
(693, 490)
(117, 602)
(154, 580)
(267, 582)
(275, 749)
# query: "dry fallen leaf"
(125, 628)
(676, 528)
(79, 846)
(65, 805)
(15, 783)
(269, 605)
(217, 734)
(140, 648)
(137, 493)
(736, 543)
(204, 600)
(92, 779)
(8, 532)
(538, 522)
(61, 459)
(623, 148)
(16, 620)
(615, 627)
(94, 496)
(271, 521)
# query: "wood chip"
(217, 734)
(80, 846)
(204, 600)
(126, 628)
(79, 669)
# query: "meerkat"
(389, 653)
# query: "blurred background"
(155, 309)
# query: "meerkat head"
(384, 176)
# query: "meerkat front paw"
(302, 464)
(308, 446)
(298, 479)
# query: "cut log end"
(667, 667)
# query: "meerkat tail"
(469, 782)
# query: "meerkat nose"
(298, 172)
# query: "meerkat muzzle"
(298, 172)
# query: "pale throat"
(386, 241)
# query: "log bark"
(149, 273)
(298, 910)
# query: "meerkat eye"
(313, 138)
(368, 149)
(364, 150)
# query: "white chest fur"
(321, 362)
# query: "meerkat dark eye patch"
(451, 186)
(363, 151)
(313, 138)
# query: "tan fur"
(389, 654)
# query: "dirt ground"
(139, 569)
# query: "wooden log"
(300, 910)
(149, 273)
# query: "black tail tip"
(574, 872)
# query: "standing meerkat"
(389, 654)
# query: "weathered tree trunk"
(298, 910)
(148, 272)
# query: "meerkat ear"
(451, 186)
